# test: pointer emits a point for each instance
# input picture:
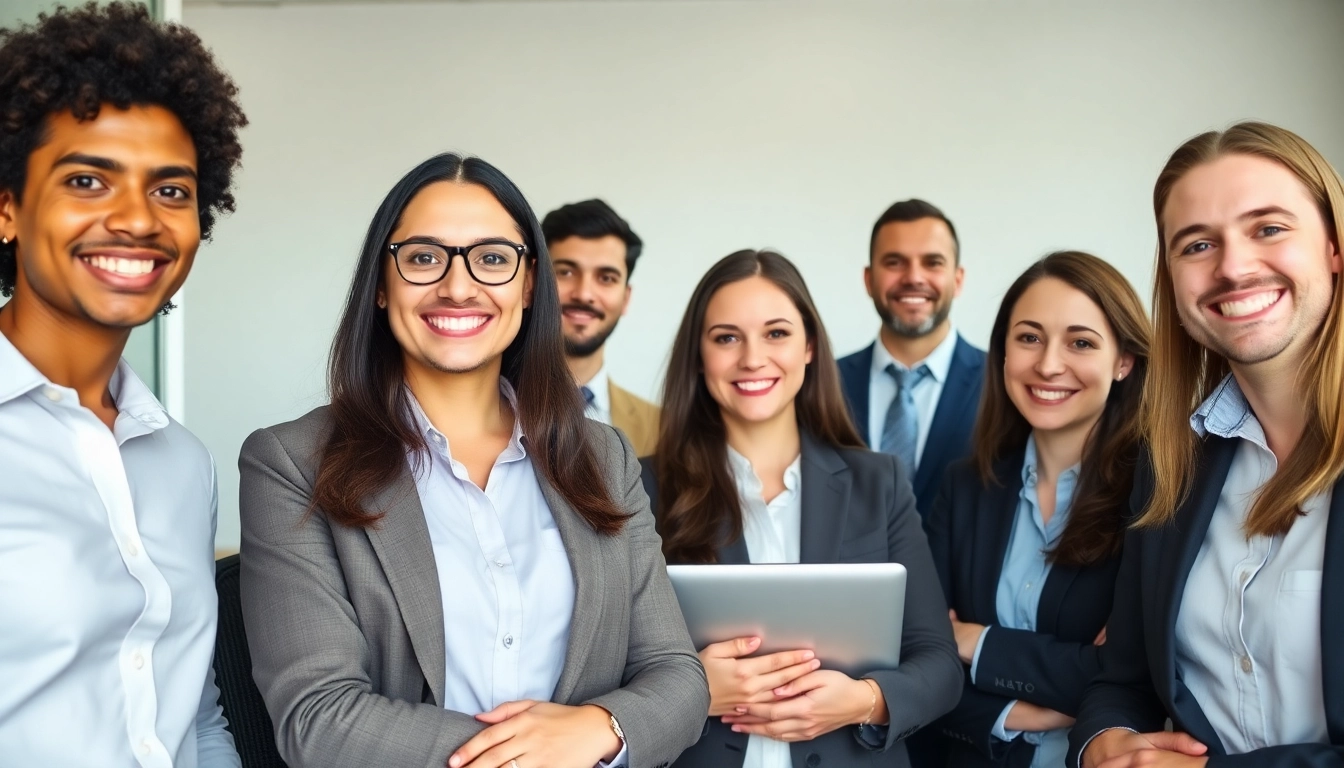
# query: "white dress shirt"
(504, 573)
(882, 389)
(600, 408)
(107, 590)
(773, 534)
(1248, 635)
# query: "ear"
(1335, 261)
(529, 283)
(1124, 365)
(868, 280)
(957, 281)
(626, 306)
(9, 216)
(807, 360)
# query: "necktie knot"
(900, 429)
(907, 379)
(588, 396)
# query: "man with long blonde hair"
(1218, 623)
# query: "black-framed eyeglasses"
(424, 262)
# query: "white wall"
(714, 126)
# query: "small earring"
(4, 241)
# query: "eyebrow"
(1070, 329)
(437, 241)
(1255, 214)
(899, 255)
(112, 166)
(731, 327)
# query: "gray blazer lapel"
(401, 541)
(584, 547)
(825, 502)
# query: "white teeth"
(1050, 394)
(913, 299)
(457, 323)
(756, 386)
(1249, 305)
(128, 267)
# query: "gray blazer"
(345, 625)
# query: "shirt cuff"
(621, 760)
(1088, 743)
(1000, 730)
(979, 645)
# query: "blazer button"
(813, 760)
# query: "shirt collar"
(1064, 488)
(1029, 467)
(133, 399)
(1227, 413)
(514, 451)
(748, 483)
(939, 360)
(599, 384)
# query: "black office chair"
(249, 722)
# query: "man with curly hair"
(118, 145)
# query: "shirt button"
(131, 549)
(138, 660)
(53, 394)
(500, 563)
(508, 641)
(145, 749)
(1246, 664)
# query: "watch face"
(615, 726)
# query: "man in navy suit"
(915, 391)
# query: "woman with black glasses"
(450, 565)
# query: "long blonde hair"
(1183, 372)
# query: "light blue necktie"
(900, 431)
(588, 396)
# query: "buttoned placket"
(99, 450)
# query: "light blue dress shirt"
(107, 581)
(1248, 634)
(882, 389)
(1018, 596)
(504, 573)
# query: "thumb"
(1176, 742)
(505, 711)
(952, 615)
(732, 649)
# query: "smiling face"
(914, 276)
(456, 325)
(754, 352)
(1251, 264)
(590, 274)
(108, 225)
(1061, 356)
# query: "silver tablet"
(850, 614)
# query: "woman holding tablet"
(450, 565)
(1027, 532)
(758, 462)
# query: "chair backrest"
(243, 706)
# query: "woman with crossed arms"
(1026, 533)
(758, 462)
(450, 565)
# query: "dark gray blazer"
(346, 631)
(858, 508)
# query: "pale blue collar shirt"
(1018, 596)
(1248, 634)
(504, 574)
(107, 590)
(926, 393)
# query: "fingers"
(480, 744)
(1176, 742)
(731, 649)
(809, 682)
(775, 662)
(782, 730)
(786, 676)
(1101, 637)
(952, 615)
(743, 719)
(505, 711)
(497, 756)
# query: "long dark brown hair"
(372, 429)
(1096, 524)
(697, 498)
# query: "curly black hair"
(79, 59)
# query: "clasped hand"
(540, 735)
(1119, 748)
(783, 695)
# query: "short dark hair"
(591, 219)
(913, 209)
(77, 60)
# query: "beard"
(913, 330)
(588, 347)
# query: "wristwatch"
(615, 726)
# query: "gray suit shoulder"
(303, 438)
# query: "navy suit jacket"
(953, 419)
(857, 508)
(969, 530)
(1139, 686)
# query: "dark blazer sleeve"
(1122, 694)
(1042, 668)
(664, 694)
(972, 720)
(928, 682)
(309, 656)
